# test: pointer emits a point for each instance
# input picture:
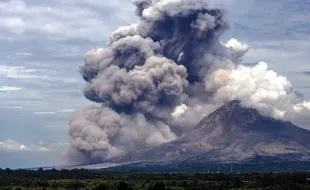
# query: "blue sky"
(42, 43)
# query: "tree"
(159, 186)
(7, 170)
(122, 186)
(237, 183)
(101, 187)
(75, 185)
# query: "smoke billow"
(157, 78)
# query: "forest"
(81, 179)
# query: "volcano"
(155, 80)
(232, 134)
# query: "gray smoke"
(157, 78)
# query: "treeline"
(99, 180)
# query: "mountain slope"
(231, 134)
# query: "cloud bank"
(12, 146)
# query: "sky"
(42, 44)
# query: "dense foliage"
(98, 180)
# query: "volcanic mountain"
(231, 134)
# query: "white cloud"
(15, 24)
(21, 72)
(44, 149)
(62, 20)
(9, 88)
(23, 53)
(45, 113)
(18, 107)
(42, 146)
(22, 147)
(66, 110)
(11, 146)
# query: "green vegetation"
(99, 180)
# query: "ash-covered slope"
(231, 134)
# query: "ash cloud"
(154, 80)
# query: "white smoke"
(255, 86)
(238, 49)
(179, 111)
(158, 78)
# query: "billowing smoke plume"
(156, 79)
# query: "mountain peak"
(231, 134)
(234, 113)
